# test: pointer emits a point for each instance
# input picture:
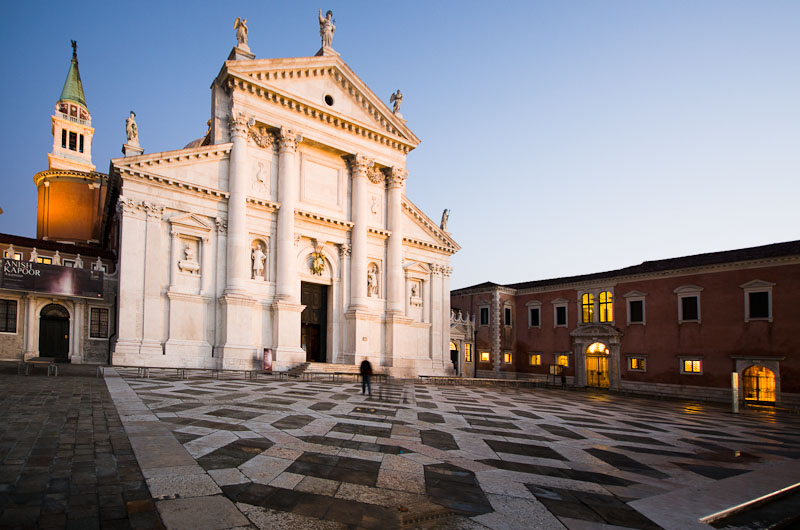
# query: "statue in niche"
(372, 280)
(414, 290)
(57, 258)
(258, 261)
(240, 25)
(445, 217)
(397, 99)
(261, 178)
(132, 130)
(189, 264)
(326, 28)
(374, 207)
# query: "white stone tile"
(512, 513)
(209, 443)
(268, 519)
(183, 486)
(226, 477)
(286, 480)
(263, 469)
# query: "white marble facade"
(300, 179)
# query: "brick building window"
(507, 357)
(484, 356)
(507, 316)
(562, 359)
(606, 303)
(637, 364)
(484, 311)
(535, 359)
(8, 316)
(467, 352)
(688, 303)
(534, 317)
(757, 300)
(560, 313)
(691, 365)
(587, 308)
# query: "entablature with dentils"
(260, 77)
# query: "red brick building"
(677, 327)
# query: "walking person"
(366, 373)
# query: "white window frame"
(641, 356)
(560, 302)
(480, 356)
(510, 309)
(488, 315)
(688, 291)
(635, 296)
(534, 304)
(683, 358)
(757, 286)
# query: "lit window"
(587, 308)
(10, 254)
(484, 316)
(467, 352)
(8, 316)
(562, 359)
(606, 307)
(98, 328)
(688, 303)
(691, 366)
(535, 359)
(507, 357)
(45, 260)
(507, 316)
(597, 348)
(637, 364)
(484, 356)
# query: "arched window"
(597, 348)
(606, 307)
(587, 306)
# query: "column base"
(286, 334)
(398, 346)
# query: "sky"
(566, 137)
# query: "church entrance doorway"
(314, 321)
(597, 365)
(54, 332)
(759, 384)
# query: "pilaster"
(153, 317)
(237, 249)
(131, 281)
(359, 166)
(286, 276)
(30, 327)
(395, 180)
(436, 312)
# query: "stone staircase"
(329, 368)
(297, 371)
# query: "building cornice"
(67, 174)
(173, 183)
(447, 242)
(323, 220)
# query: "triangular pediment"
(420, 230)
(189, 222)
(416, 267)
(304, 82)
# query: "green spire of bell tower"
(73, 88)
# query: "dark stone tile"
(352, 428)
(713, 472)
(538, 451)
(631, 438)
(557, 430)
(293, 422)
(439, 440)
(626, 463)
(235, 453)
(488, 423)
(430, 417)
(526, 414)
(322, 406)
(233, 413)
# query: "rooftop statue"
(445, 217)
(326, 28)
(240, 25)
(397, 99)
(131, 129)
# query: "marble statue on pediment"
(132, 130)
(240, 25)
(397, 100)
(445, 218)
(326, 28)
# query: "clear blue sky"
(567, 137)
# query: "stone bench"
(50, 362)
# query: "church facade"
(284, 235)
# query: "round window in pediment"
(328, 100)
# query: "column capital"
(154, 211)
(359, 164)
(222, 224)
(344, 249)
(237, 122)
(288, 139)
(395, 176)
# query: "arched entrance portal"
(759, 384)
(54, 332)
(597, 365)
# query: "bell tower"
(70, 192)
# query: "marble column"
(131, 282)
(359, 165)
(445, 349)
(288, 181)
(206, 269)
(341, 308)
(436, 312)
(238, 253)
(30, 327)
(287, 308)
(395, 182)
(153, 322)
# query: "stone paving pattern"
(294, 454)
(65, 459)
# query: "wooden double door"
(597, 371)
(54, 333)
(314, 321)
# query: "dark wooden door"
(314, 320)
(54, 333)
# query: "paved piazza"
(298, 454)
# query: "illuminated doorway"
(54, 332)
(597, 365)
(759, 384)
(454, 356)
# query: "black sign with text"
(54, 279)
